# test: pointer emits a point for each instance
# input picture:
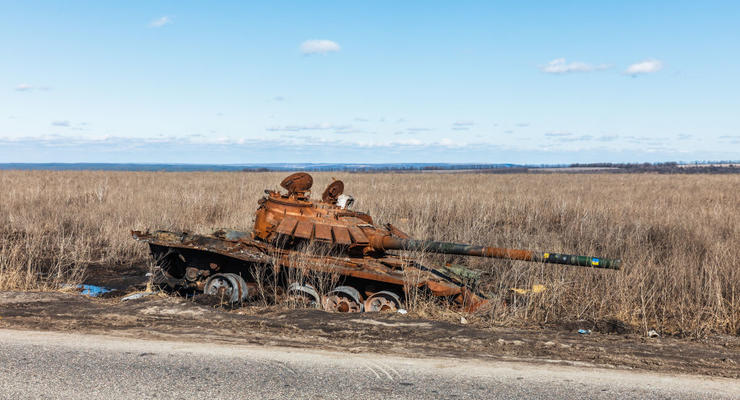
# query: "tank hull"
(187, 260)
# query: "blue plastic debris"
(584, 331)
(90, 290)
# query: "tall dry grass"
(678, 236)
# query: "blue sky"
(464, 81)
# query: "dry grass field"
(678, 235)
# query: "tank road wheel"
(383, 301)
(343, 299)
(304, 294)
(229, 287)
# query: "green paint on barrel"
(494, 252)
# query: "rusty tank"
(324, 254)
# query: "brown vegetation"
(678, 236)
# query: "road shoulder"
(176, 319)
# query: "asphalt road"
(46, 365)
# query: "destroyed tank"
(296, 240)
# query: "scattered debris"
(535, 289)
(584, 331)
(89, 290)
(137, 296)
(653, 334)
(402, 311)
(463, 320)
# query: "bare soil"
(170, 317)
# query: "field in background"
(678, 235)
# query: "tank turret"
(293, 217)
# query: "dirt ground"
(171, 317)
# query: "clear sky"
(348, 81)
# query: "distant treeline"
(380, 168)
(718, 167)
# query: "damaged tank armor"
(371, 277)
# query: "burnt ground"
(177, 318)
(121, 278)
(169, 317)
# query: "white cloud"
(65, 124)
(24, 87)
(567, 139)
(644, 67)
(311, 127)
(208, 149)
(417, 130)
(730, 138)
(560, 66)
(462, 124)
(558, 134)
(447, 142)
(197, 141)
(160, 22)
(319, 47)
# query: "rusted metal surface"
(287, 226)
(230, 287)
(323, 232)
(304, 230)
(297, 184)
(345, 299)
(305, 294)
(341, 235)
(383, 301)
(332, 192)
(354, 249)
(357, 235)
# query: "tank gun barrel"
(394, 243)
